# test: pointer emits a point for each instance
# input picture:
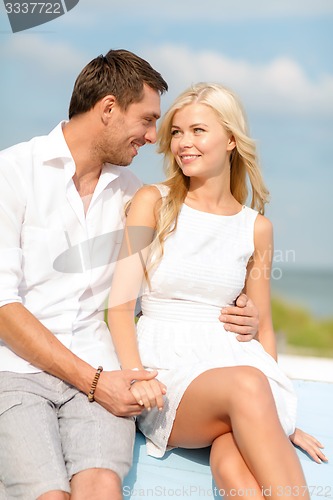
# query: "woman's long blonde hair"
(243, 161)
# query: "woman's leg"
(229, 470)
(239, 400)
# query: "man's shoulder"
(17, 160)
(19, 148)
(24, 147)
(39, 148)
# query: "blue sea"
(311, 289)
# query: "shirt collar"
(56, 148)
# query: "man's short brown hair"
(119, 73)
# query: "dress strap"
(163, 189)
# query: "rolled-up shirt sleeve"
(12, 208)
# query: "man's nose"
(151, 135)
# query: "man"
(62, 211)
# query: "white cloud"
(278, 87)
(88, 13)
(49, 59)
(215, 10)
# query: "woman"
(207, 248)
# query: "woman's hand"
(149, 393)
(309, 444)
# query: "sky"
(276, 55)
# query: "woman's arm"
(258, 289)
(257, 285)
(126, 285)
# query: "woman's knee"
(250, 387)
(224, 466)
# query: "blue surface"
(183, 474)
(186, 473)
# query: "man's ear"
(106, 107)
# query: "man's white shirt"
(55, 259)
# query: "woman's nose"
(186, 140)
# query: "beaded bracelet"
(91, 393)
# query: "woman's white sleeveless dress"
(179, 333)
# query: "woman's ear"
(231, 143)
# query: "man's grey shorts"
(49, 431)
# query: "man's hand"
(113, 391)
(243, 318)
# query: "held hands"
(243, 318)
(309, 444)
(114, 391)
(149, 393)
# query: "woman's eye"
(198, 130)
(175, 132)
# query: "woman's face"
(199, 143)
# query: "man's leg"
(97, 447)
(96, 484)
(31, 460)
(54, 495)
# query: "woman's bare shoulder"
(149, 193)
(263, 226)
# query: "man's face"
(129, 130)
